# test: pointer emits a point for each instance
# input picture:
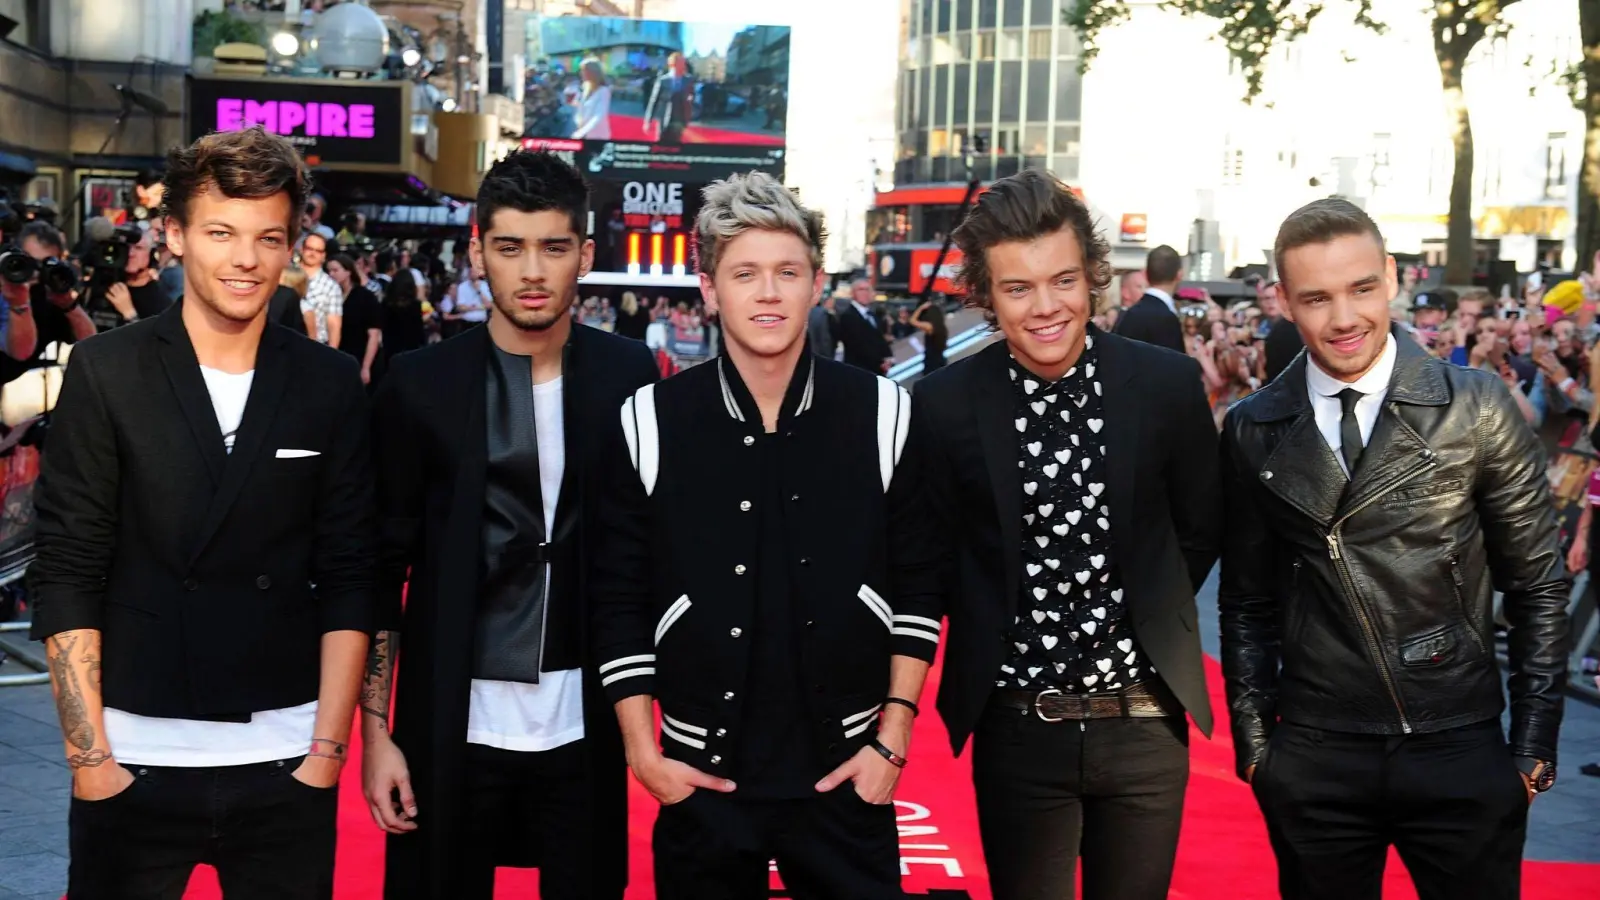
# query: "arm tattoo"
(88, 759)
(327, 749)
(376, 687)
(69, 694)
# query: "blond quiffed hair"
(754, 200)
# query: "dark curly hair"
(534, 181)
(1021, 207)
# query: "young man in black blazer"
(1154, 319)
(206, 551)
(504, 751)
(767, 579)
(1072, 473)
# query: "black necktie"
(1350, 429)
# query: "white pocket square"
(286, 453)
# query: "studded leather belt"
(1149, 700)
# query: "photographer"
(52, 309)
(118, 296)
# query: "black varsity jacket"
(676, 588)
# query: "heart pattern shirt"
(1074, 634)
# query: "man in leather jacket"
(1357, 620)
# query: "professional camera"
(17, 267)
(107, 257)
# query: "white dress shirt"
(1324, 391)
(1164, 297)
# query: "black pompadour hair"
(534, 181)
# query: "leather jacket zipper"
(1368, 630)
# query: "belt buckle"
(1039, 711)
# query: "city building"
(1159, 141)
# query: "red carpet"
(631, 128)
(1223, 854)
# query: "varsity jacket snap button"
(263, 582)
(722, 732)
(744, 505)
(734, 632)
(739, 569)
(189, 584)
(728, 696)
(805, 560)
(749, 441)
(715, 760)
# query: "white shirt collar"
(1376, 381)
(861, 309)
(1164, 297)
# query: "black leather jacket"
(1365, 606)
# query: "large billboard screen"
(644, 94)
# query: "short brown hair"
(244, 165)
(1021, 207)
(1319, 222)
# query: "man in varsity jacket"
(764, 577)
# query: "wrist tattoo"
(327, 749)
(90, 759)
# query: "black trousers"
(1108, 791)
(269, 835)
(533, 810)
(1452, 804)
(834, 846)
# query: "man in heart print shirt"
(1074, 474)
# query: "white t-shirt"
(512, 715)
(274, 734)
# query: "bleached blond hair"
(754, 200)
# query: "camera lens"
(58, 277)
(17, 267)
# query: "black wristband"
(894, 758)
(906, 703)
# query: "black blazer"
(1161, 452)
(431, 446)
(865, 347)
(284, 309)
(211, 575)
(1152, 322)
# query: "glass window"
(903, 170)
(1036, 139)
(1038, 90)
(983, 102)
(944, 16)
(1006, 166)
(983, 168)
(1070, 45)
(1007, 140)
(1069, 92)
(913, 53)
(908, 144)
(944, 50)
(1011, 90)
(927, 16)
(938, 142)
(924, 114)
(1556, 171)
(941, 95)
(1039, 44)
(1013, 13)
(1035, 162)
(940, 169)
(986, 14)
(959, 90)
(1066, 141)
(1042, 12)
(963, 14)
(1065, 167)
(986, 45)
(963, 46)
(1010, 45)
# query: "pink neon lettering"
(291, 115)
(333, 120)
(361, 120)
(230, 115)
(285, 117)
(263, 114)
